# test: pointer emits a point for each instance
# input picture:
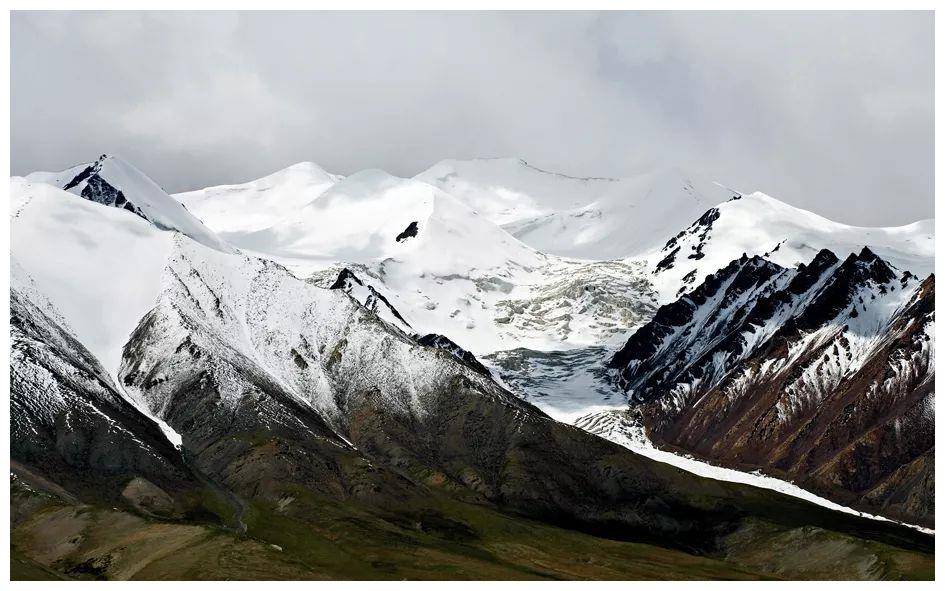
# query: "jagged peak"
(825, 257)
(866, 261)
(868, 255)
(744, 261)
(114, 182)
(808, 274)
(344, 276)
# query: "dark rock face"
(346, 282)
(667, 261)
(701, 230)
(639, 367)
(99, 190)
(822, 375)
(345, 278)
(438, 341)
(409, 232)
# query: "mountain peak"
(258, 204)
(304, 168)
(825, 256)
(304, 165)
(113, 182)
(867, 255)
(867, 265)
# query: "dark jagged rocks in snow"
(98, 190)
(667, 261)
(345, 277)
(748, 370)
(701, 229)
(439, 341)
(372, 298)
(737, 277)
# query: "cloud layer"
(829, 111)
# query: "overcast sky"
(828, 111)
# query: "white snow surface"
(589, 218)
(99, 266)
(359, 218)
(258, 204)
(57, 178)
(618, 428)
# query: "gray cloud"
(829, 111)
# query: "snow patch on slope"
(620, 429)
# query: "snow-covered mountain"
(372, 216)
(309, 375)
(99, 266)
(448, 270)
(822, 373)
(221, 315)
(258, 204)
(589, 218)
(69, 421)
(112, 181)
(758, 225)
(438, 246)
(466, 261)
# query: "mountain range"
(822, 374)
(318, 376)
